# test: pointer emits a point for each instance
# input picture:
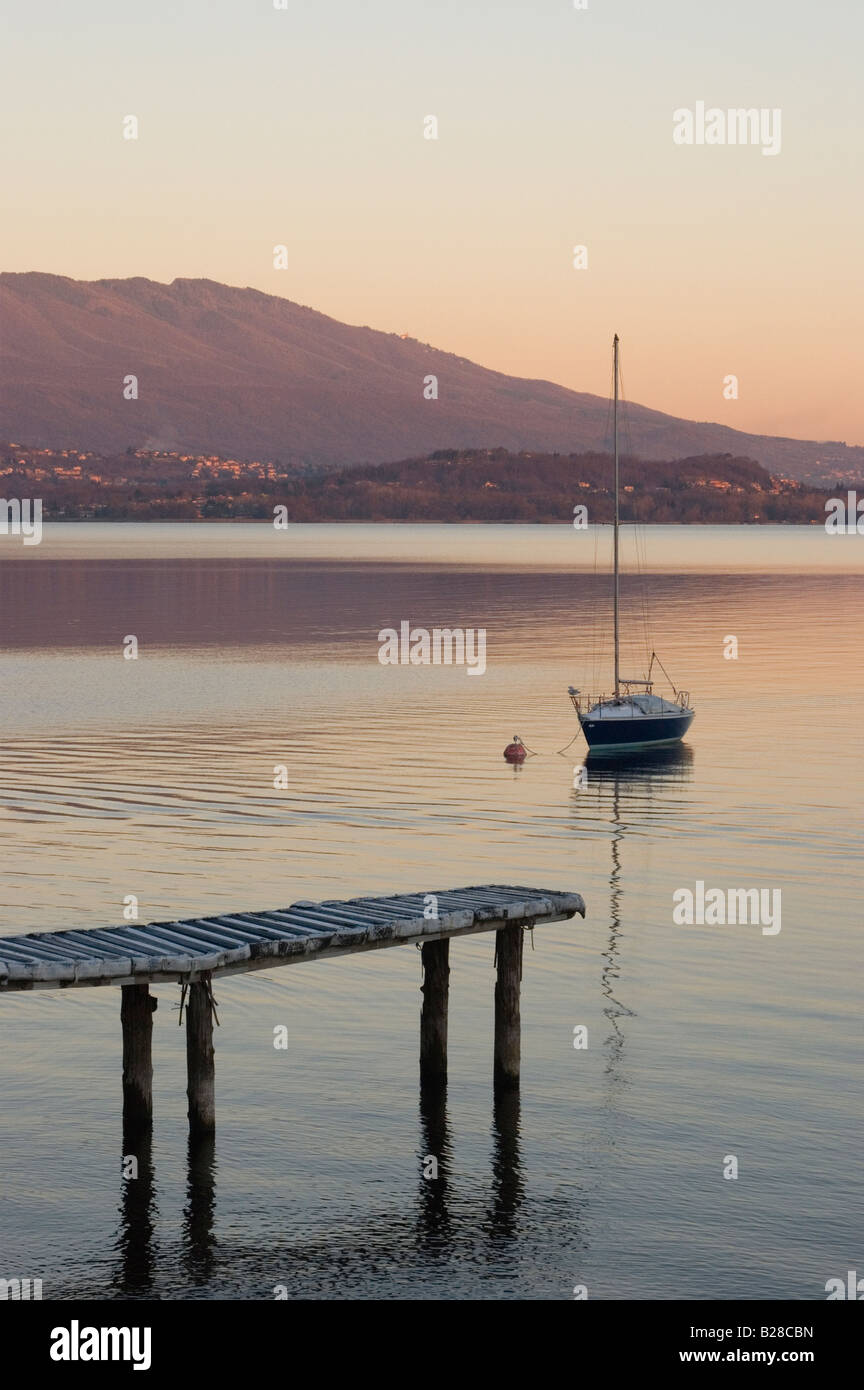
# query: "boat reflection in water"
(646, 767)
(652, 774)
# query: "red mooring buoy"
(515, 752)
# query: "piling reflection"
(508, 1183)
(433, 1219)
(135, 1240)
(435, 1227)
(199, 1242)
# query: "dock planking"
(237, 942)
(195, 951)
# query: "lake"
(258, 649)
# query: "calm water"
(155, 777)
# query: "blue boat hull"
(617, 735)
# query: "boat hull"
(620, 735)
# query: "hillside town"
(448, 485)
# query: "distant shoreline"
(450, 486)
(388, 521)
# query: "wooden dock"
(196, 951)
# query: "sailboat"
(632, 716)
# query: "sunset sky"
(304, 127)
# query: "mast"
(615, 541)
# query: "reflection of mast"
(650, 770)
(614, 1009)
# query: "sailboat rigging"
(633, 716)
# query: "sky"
(304, 127)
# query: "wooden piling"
(433, 1015)
(508, 958)
(194, 951)
(136, 1020)
(200, 1068)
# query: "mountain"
(254, 376)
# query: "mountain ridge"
(253, 375)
